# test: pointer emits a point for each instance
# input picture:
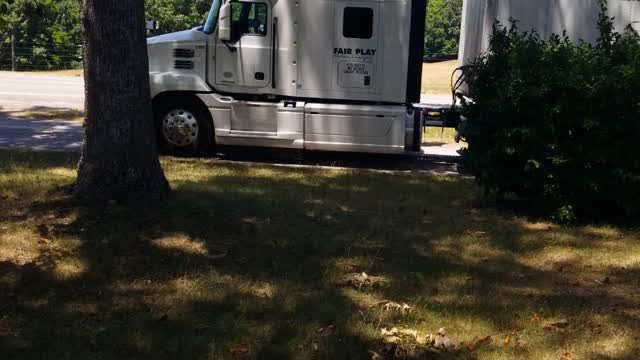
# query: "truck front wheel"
(184, 128)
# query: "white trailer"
(331, 75)
(578, 18)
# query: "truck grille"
(183, 64)
(183, 53)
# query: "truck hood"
(180, 36)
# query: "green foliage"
(176, 15)
(557, 122)
(13, 15)
(47, 33)
(442, 34)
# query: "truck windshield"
(212, 19)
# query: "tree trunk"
(13, 52)
(119, 157)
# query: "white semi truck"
(330, 75)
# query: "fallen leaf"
(391, 332)
(566, 356)
(239, 350)
(406, 308)
(428, 339)
(391, 340)
(484, 340)
(447, 342)
(409, 332)
(44, 241)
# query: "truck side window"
(358, 23)
(248, 18)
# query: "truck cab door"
(245, 60)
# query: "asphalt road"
(27, 90)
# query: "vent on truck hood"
(183, 64)
(183, 53)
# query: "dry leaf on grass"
(506, 340)
(239, 350)
(391, 340)
(360, 280)
(566, 355)
(557, 325)
(391, 305)
(391, 332)
(442, 341)
(486, 340)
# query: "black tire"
(172, 140)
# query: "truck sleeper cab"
(330, 75)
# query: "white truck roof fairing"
(577, 17)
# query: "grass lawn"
(70, 72)
(438, 135)
(253, 258)
(436, 77)
(44, 113)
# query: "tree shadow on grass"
(252, 258)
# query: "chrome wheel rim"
(180, 127)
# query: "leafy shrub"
(557, 122)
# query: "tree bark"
(119, 158)
(13, 52)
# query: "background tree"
(442, 36)
(40, 34)
(176, 15)
(119, 157)
(12, 19)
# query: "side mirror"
(153, 25)
(224, 23)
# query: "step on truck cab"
(330, 75)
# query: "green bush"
(557, 122)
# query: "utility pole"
(13, 52)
